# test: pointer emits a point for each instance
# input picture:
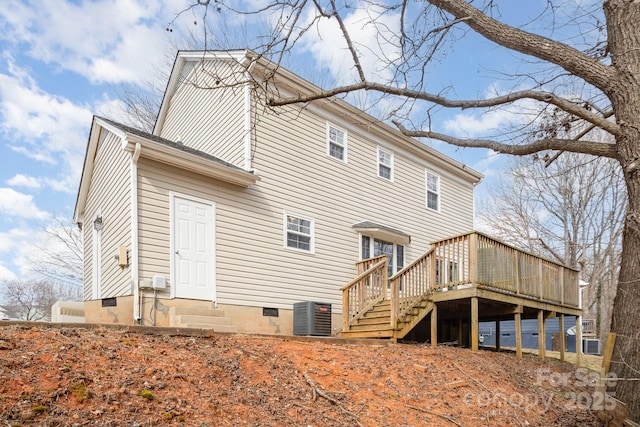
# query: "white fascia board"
(113, 129)
(171, 84)
(87, 172)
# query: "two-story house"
(231, 212)
(250, 208)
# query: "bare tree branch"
(585, 147)
(572, 60)
(546, 97)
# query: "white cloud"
(13, 203)
(371, 33)
(106, 41)
(44, 127)
(6, 274)
(21, 180)
(492, 121)
(471, 125)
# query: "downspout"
(247, 123)
(134, 232)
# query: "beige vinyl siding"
(109, 193)
(252, 265)
(210, 120)
(353, 192)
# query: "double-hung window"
(298, 233)
(336, 142)
(433, 191)
(385, 164)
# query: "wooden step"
(381, 306)
(376, 314)
(368, 328)
(374, 320)
(366, 334)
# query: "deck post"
(345, 310)
(474, 324)
(561, 336)
(578, 339)
(473, 258)
(434, 325)
(518, 331)
(395, 295)
(497, 335)
(542, 342)
(460, 337)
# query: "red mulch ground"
(97, 376)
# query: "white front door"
(194, 248)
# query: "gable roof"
(143, 144)
(258, 65)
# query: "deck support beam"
(542, 342)
(518, 331)
(474, 324)
(561, 336)
(434, 326)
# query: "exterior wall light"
(97, 223)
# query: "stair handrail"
(405, 294)
(364, 298)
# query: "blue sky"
(61, 62)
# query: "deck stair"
(200, 318)
(376, 322)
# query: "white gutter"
(134, 231)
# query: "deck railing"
(509, 269)
(589, 327)
(410, 285)
(363, 292)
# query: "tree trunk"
(626, 310)
(624, 45)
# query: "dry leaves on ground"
(114, 377)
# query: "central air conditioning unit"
(312, 318)
(591, 346)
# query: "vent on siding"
(109, 302)
(312, 318)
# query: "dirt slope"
(76, 376)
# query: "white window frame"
(437, 192)
(330, 142)
(286, 232)
(393, 261)
(381, 163)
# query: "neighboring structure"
(67, 312)
(230, 212)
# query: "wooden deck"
(468, 278)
